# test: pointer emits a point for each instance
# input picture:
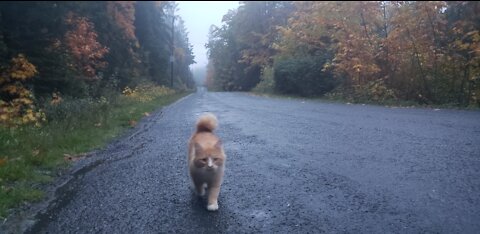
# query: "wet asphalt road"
(293, 166)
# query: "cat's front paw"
(212, 207)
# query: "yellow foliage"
(127, 91)
(21, 69)
(11, 89)
(147, 92)
(18, 108)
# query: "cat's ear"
(218, 145)
(198, 148)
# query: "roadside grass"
(31, 156)
(386, 103)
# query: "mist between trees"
(422, 52)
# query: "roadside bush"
(147, 92)
(302, 76)
(374, 91)
(267, 83)
(17, 103)
(73, 109)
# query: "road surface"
(293, 166)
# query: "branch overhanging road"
(293, 166)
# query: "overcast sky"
(198, 17)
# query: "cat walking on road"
(206, 159)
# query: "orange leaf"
(132, 123)
(3, 161)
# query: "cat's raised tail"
(207, 123)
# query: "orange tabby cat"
(206, 159)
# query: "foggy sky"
(198, 17)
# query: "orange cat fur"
(206, 159)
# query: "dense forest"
(51, 51)
(415, 51)
(422, 52)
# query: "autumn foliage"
(83, 45)
(85, 51)
(123, 14)
(426, 52)
(16, 103)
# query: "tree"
(82, 42)
(242, 47)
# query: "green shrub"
(267, 83)
(302, 76)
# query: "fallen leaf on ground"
(132, 123)
(73, 158)
(3, 161)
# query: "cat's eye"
(215, 159)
